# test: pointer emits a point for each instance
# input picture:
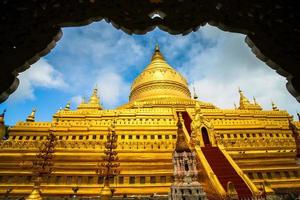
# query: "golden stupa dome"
(159, 80)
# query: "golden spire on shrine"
(157, 55)
(254, 100)
(93, 103)
(195, 93)
(245, 104)
(2, 117)
(234, 104)
(274, 107)
(159, 80)
(243, 100)
(68, 106)
(256, 104)
(31, 117)
(94, 98)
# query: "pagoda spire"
(2, 117)
(274, 107)
(245, 104)
(256, 104)
(234, 104)
(157, 56)
(156, 47)
(94, 98)
(195, 94)
(68, 106)
(31, 117)
(254, 100)
(243, 100)
(93, 103)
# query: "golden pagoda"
(244, 152)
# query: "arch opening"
(38, 32)
(205, 136)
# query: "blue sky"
(216, 62)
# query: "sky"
(215, 62)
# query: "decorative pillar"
(109, 169)
(42, 166)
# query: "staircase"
(220, 166)
(225, 172)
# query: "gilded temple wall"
(261, 145)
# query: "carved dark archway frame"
(30, 28)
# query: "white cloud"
(112, 89)
(39, 75)
(219, 70)
(97, 48)
(76, 100)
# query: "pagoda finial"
(95, 91)
(157, 54)
(256, 105)
(68, 106)
(242, 97)
(244, 102)
(93, 103)
(156, 47)
(2, 117)
(254, 100)
(94, 98)
(274, 107)
(240, 91)
(195, 94)
(31, 117)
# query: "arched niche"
(205, 136)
